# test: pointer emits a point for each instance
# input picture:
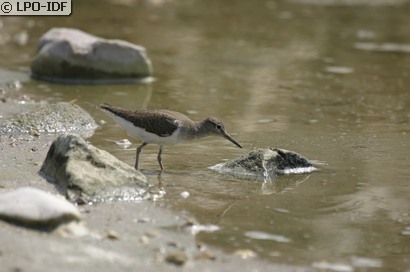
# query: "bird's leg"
(159, 158)
(139, 149)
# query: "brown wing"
(149, 119)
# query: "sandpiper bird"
(164, 127)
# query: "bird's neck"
(196, 131)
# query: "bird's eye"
(219, 126)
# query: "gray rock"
(264, 163)
(51, 118)
(87, 174)
(36, 208)
(68, 55)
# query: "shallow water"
(327, 80)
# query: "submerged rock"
(36, 208)
(51, 118)
(263, 163)
(87, 174)
(69, 55)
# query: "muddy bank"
(119, 236)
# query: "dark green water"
(329, 81)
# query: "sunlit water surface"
(329, 81)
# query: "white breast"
(148, 137)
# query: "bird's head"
(215, 127)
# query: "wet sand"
(121, 236)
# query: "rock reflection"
(280, 184)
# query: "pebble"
(245, 253)
(177, 257)
(205, 255)
(185, 194)
(153, 234)
(112, 235)
(144, 239)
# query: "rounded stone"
(69, 55)
(86, 174)
(50, 118)
(34, 207)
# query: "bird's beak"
(227, 136)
